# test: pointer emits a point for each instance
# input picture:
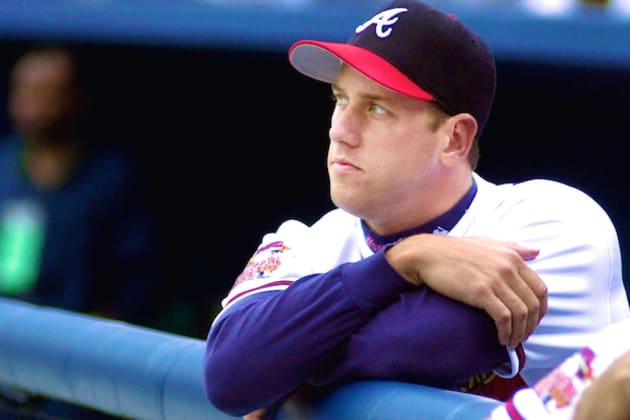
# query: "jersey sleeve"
(268, 341)
(274, 266)
(423, 338)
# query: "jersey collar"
(441, 225)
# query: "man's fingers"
(535, 297)
(512, 319)
(537, 286)
(502, 317)
(525, 252)
(525, 295)
(517, 304)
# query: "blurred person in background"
(77, 231)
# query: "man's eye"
(377, 109)
(339, 100)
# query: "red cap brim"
(322, 61)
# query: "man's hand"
(608, 397)
(484, 273)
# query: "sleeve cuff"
(514, 366)
(372, 283)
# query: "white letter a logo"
(383, 22)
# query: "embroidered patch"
(265, 261)
(560, 387)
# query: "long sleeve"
(423, 338)
(267, 344)
(360, 320)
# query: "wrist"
(406, 258)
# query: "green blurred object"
(21, 240)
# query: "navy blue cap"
(414, 49)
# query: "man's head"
(44, 94)
(414, 49)
(413, 88)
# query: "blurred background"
(232, 140)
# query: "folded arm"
(267, 344)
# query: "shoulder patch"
(265, 261)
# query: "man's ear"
(462, 129)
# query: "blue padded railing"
(135, 372)
(111, 366)
(385, 400)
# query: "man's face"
(41, 94)
(384, 153)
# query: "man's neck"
(50, 164)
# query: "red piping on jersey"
(274, 283)
(512, 411)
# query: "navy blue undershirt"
(441, 225)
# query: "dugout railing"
(135, 372)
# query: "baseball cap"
(414, 49)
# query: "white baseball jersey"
(579, 259)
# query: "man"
(76, 228)
(403, 280)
